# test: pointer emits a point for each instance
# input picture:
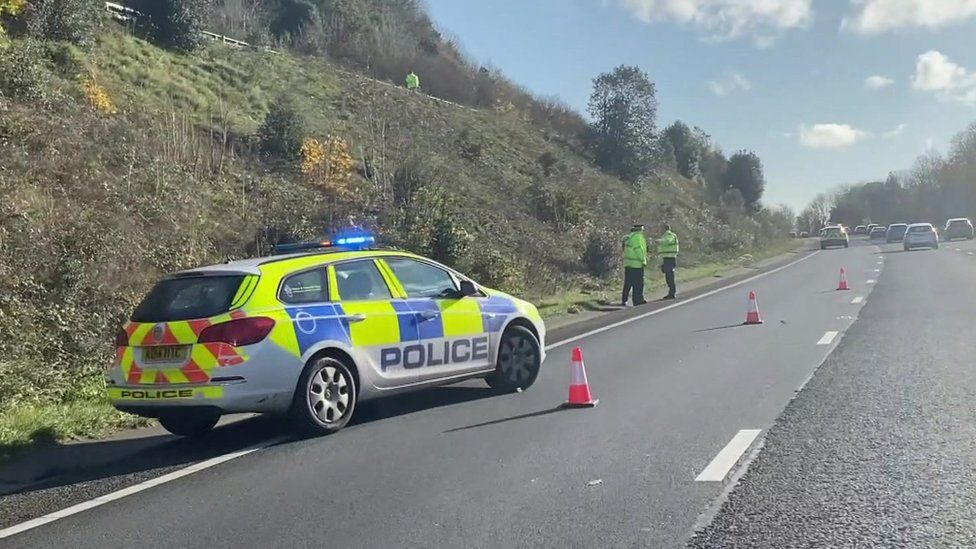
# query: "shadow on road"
(739, 325)
(56, 465)
(513, 418)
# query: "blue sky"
(785, 78)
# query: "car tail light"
(240, 332)
(121, 338)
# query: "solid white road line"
(858, 299)
(678, 304)
(969, 253)
(134, 489)
(872, 281)
(827, 338)
(717, 470)
(877, 270)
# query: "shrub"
(547, 161)
(75, 21)
(557, 204)
(601, 253)
(494, 270)
(283, 131)
(449, 242)
(22, 75)
(98, 98)
(175, 24)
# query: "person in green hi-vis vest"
(413, 81)
(667, 248)
(635, 259)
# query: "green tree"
(687, 149)
(75, 21)
(175, 24)
(292, 18)
(745, 174)
(283, 131)
(624, 109)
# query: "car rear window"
(959, 223)
(184, 298)
(920, 229)
(833, 233)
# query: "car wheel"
(519, 359)
(325, 397)
(822, 247)
(190, 425)
(846, 245)
(935, 246)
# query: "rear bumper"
(921, 243)
(229, 397)
(827, 243)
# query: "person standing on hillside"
(635, 259)
(667, 248)
(413, 81)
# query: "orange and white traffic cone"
(843, 281)
(579, 388)
(752, 315)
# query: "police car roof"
(252, 266)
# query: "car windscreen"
(184, 298)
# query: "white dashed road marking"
(719, 468)
(872, 281)
(827, 338)
(877, 270)
(858, 299)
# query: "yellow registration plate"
(165, 353)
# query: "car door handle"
(358, 317)
(429, 315)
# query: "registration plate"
(165, 353)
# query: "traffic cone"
(843, 281)
(579, 388)
(752, 315)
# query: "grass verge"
(27, 426)
(577, 301)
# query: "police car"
(311, 332)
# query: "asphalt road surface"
(877, 449)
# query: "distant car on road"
(878, 234)
(834, 236)
(921, 235)
(804, 234)
(896, 232)
(871, 227)
(959, 227)
(860, 229)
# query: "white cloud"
(935, 72)
(731, 82)
(762, 20)
(830, 136)
(899, 129)
(877, 82)
(878, 16)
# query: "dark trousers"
(633, 280)
(667, 267)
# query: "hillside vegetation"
(121, 161)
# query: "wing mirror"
(468, 288)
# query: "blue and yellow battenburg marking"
(399, 320)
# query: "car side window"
(421, 279)
(306, 287)
(361, 281)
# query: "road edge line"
(620, 323)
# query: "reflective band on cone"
(843, 281)
(579, 388)
(752, 315)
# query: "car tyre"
(935, 246)
(189, 425)
(519, 360)
(325, 397)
